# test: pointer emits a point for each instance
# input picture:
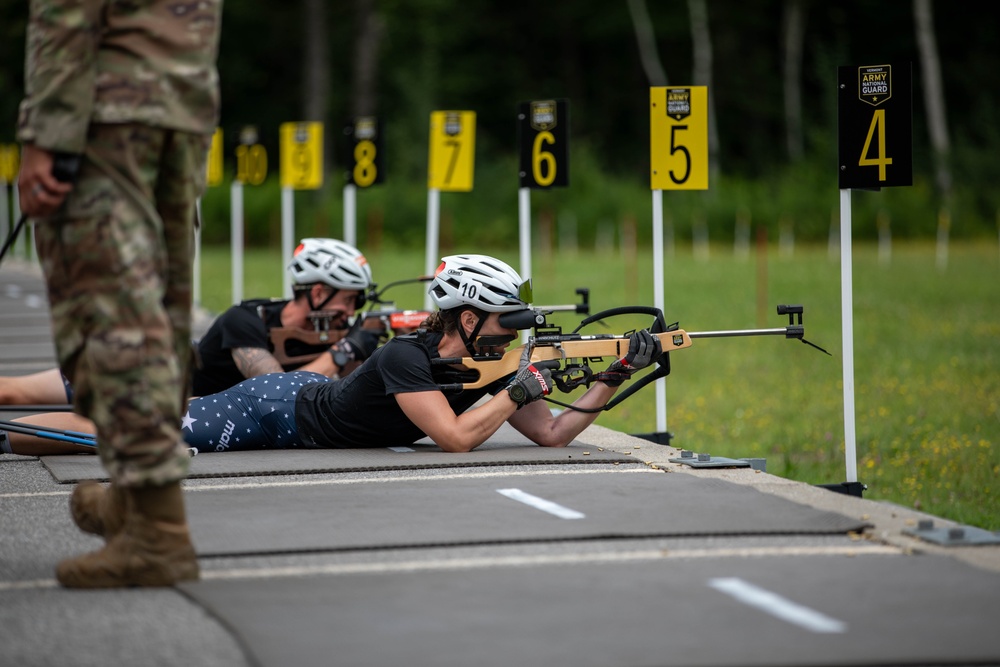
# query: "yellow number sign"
(301, 155)
(10, 159)
(214, 166)
(251, 164)
(678, 126)
(452, 150)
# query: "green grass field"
(927, 358)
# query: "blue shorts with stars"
(258, 413)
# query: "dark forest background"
(771, 68)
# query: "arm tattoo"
(254, 361)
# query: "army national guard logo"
(453, 124)
(678, 103)
(543, 115)
(365, 127)
(875, 84)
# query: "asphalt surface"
(497, 560)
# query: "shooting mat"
(464, 509)
(885, 609)
(506, 447)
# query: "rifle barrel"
(788, 332)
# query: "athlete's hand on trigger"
(531, 382)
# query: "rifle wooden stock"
(281, 335)
(561, 347)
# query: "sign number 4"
(875, 126)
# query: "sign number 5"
(678, 127)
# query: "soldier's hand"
(40, 192)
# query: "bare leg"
(43, 388)
(31, 445)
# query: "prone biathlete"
(328, 277)
(395, 396)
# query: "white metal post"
(236, 238)
(350, 214)
(431, 259)
(287, 235)
(524, 240)
(847, 333)
(524, 230)
(658, 301)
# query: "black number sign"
(875, 124)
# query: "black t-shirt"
(247, 324)
(361, 410)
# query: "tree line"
(771, 68)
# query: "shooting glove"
(531, 382)
(643, 350)
(355, 346)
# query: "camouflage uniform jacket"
(119, 61)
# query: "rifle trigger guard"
(572, 376)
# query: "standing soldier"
(121, 100)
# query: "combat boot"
(97, 509)
(153, 547)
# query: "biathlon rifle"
(387, 318)
(569, 356)
(322, 333)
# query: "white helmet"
(332, 263)
(480, 281)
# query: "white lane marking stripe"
(193, 486)
(505, 561)
(777, 606)
(541, 504)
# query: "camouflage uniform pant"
(117, 260)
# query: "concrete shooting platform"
(605, 553)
